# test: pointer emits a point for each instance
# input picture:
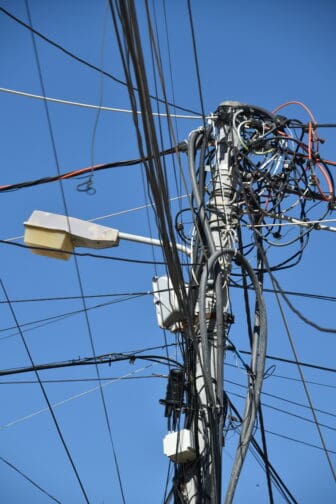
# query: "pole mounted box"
(168, 312)
(179, 446)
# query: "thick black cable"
(45, 396)
(260, 413)
(12, 466)
(153, 168)
(275, 476)
(83, 61)
(291, 342)
(77, 173)
(297, 312)
(91, 361)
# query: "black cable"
(198, 74)
(282, 487)
(297, 312)
(250, 333)
(86, 254)
(284, 399)
(289, 361)
(55, 318)
(291, 342)
(89, 361)
(299, 441)
(181, 147)
(290, 378)
(83, 61)
(80, 380)
(57, 164)
(30, 480)
(321, 297)
(294, 415)
(45, 396)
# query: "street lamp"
(51, 232)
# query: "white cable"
(71, 398)
(90, 106)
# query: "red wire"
(294, 102)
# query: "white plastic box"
(179, 446)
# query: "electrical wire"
(83, 171)
(294, 415)
(79, 279)
(30, 480)
(89, 105)
(79, 59)
(60, 435)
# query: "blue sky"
(262, 52)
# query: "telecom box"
(179, 446)
(168, 312)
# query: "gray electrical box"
(168, 312)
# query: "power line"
(80, 283)
(308, 295)
(74, 173)
(299, 441)
(291, 342)
(72, 398)
(82, 380)
(284, 399)
(294, 415)
(290, 378)
(289, 361)
(87, 254)
(45, 396)
(12, 466)
(61, 316)
(90, 106)
(91, 361)
(83, 61)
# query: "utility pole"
(208, 423)
(250, 166)
(197, 449)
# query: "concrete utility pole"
(222, 224)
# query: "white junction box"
(179, 446)
(168, 312)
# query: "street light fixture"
(51, 232)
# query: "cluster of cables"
(282, 186)
(251, 172)
(213, 244)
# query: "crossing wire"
(53, 143)
(5, 461)
(44, 393)
(81, 60)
